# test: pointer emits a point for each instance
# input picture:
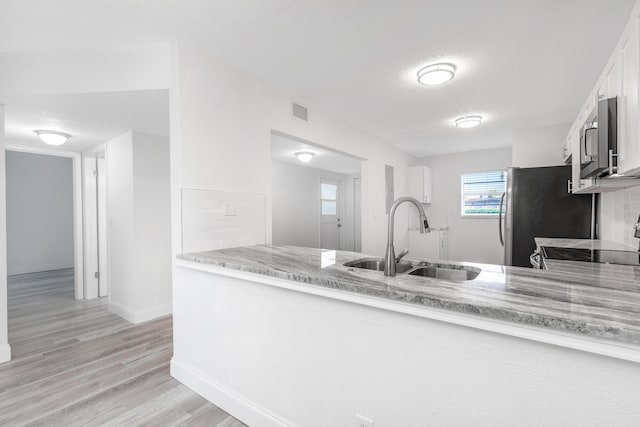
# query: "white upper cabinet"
(628, 144)
(620, 78)
(420, 183)
(600, 91)
(610, 77)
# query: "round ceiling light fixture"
(304, 156)
(468, 121)
(52, 137)
(436, 74)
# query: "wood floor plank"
(76, 364)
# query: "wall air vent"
(299, 112)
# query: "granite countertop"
(584, 302)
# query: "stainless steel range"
(591, 255)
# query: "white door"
(357, 224)
(90, 204)
(102, 226)
(330, 214)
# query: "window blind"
(481, 192)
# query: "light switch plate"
(229, 208)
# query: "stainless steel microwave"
(599, 140)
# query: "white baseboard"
(139, 316)
(233, 403)
(5, 353)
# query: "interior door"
(102, 226)
(357, 183)
(330, 214)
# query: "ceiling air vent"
(300, 112)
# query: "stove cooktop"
(592, 255)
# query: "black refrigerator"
(537, 204)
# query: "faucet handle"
(402, 254)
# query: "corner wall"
(540, 146)
(138, 203)
(470, 239)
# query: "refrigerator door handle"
(500, 218)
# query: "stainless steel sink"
(444, 271)
(454, 274)
(377, 264)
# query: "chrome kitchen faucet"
(390, 255)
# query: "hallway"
(74, 363)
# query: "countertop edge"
(604, 347)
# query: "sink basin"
(454, 274)
(378, 265)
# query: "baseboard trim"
(139, 316)
(5, 353)
(233, 403)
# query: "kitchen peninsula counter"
(289, 336)
(583, 303)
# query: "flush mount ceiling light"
(468, 121)
(436, 74)
(304, 156)
(52, 137)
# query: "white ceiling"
(91, 118)
(522, 63)
(284, 149)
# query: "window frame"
(464, 215)
(335, 201)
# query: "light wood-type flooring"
(75, 364)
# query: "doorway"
(44, 213)
(315, 203)
(95, 222)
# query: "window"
(481, 193)
(329, 198)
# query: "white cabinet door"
(566, 149)
(420, 183)
(628, 145)
(600, 91)
(574, 144)
(611, 78)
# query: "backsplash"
(631, 210)
(619, 213)
(218, 219)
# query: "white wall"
(222, 137)
(39, 212)
(539, 146)
(5, 349)
(138, 199)
(99, 69)
(470, 239)
(296, 203)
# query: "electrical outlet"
(363, 421)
